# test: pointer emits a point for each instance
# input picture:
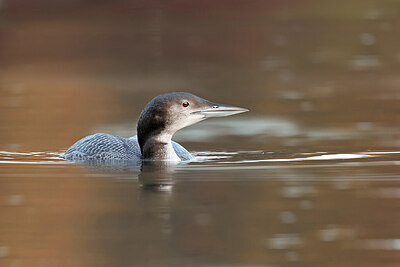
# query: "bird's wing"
(103, 147)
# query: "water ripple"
(218, 158)
(37, 158)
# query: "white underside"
(169, 153)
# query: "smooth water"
(309, 177)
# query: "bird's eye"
(185, 104)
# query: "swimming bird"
(160, 119)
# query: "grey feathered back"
(107, 147)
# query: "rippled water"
(309, 177)
(280, 208)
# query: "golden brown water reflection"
(309, 177)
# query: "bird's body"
(108, 147)
(159, 120)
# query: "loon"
(160, 119)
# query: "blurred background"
(320, 77)
(70, 68)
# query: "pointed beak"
(220, 110)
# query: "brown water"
(309, 177)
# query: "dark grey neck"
(151, 124)
(156, 146)
(154, 149)
(154, 133)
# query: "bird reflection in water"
(152, 175)
(157, 175)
